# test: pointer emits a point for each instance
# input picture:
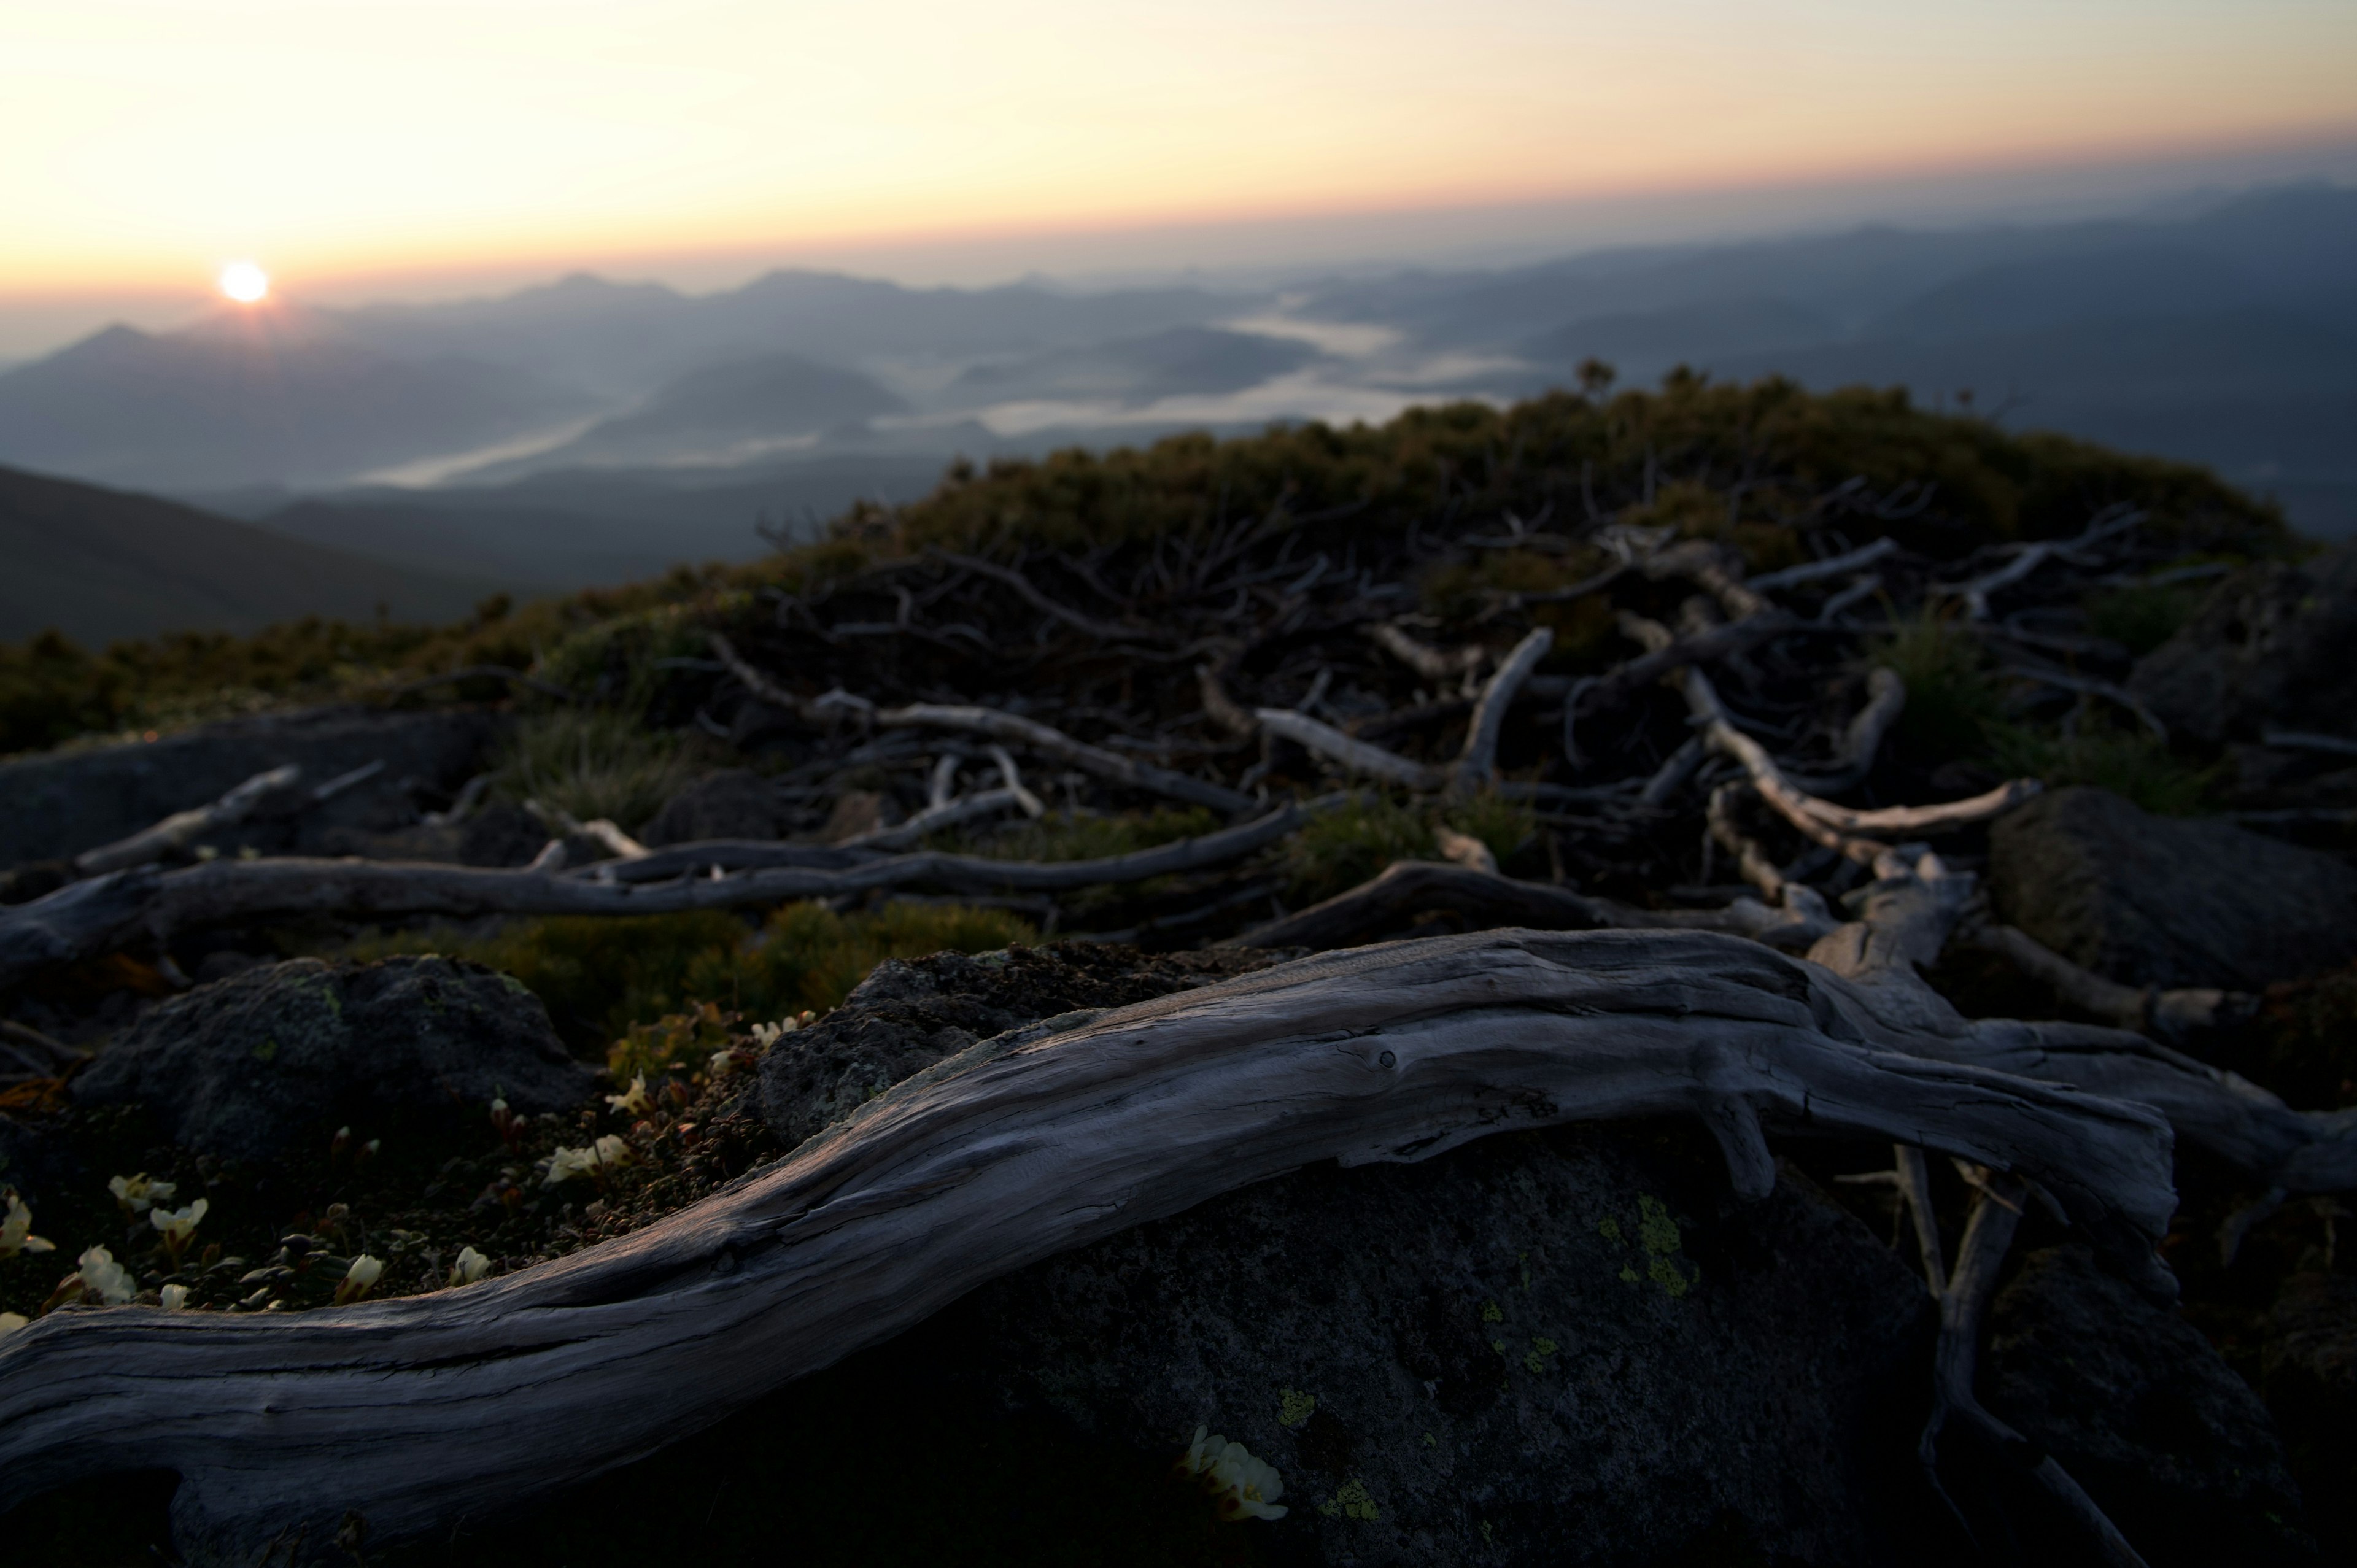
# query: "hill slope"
(99, 564)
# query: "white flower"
(12, 1321)
(471, 1267)
(634, 1102)
(175, 1297)
(16, 1231)
(136, 1194)
(1242, 1486)
(102, 1278)
(177, 1225)
(610, 1151)
(363, 1274)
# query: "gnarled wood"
(415, 1413)
(89, 918)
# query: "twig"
(1106, 631)
(1831, 567)
(1432, 663)
(1988, 1236)
(177, 831)
(2173, 1015)
(1480, 757)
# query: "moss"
(1954, 704)
(2128, 762)
(1344, 847)
(601, 975)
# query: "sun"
(244, 282)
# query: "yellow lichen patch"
(1294, 1406)
(1534, 1361)
(1353, 1500)
(1490, 1314)
(1657, 1234)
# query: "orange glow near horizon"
(412, 135)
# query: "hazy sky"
(146, 143)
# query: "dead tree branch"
(179, 830)
(411, 1414)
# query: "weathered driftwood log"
(1908, 918)
(1001, 726)
(85, 919)
(414, 1414)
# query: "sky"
(423, 145)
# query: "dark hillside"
(100, 565)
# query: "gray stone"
(36, 1162)
(1565, 1347)
(735, 803)
(2143, 1413)
(58, 804)
(244, 1066)
(2274, 644)
(2170, 901)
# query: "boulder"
(2170, 901)
(2143, 1413)
(907, 1015)
(1569, 1345)
(2308, 1369)
(242, 1067)
(2274, 645)
(60, 803)
(735, 803)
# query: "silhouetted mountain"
(272, 397)
(625, 338)
(584, 528)
(729, 414)
(1647, 341)
(1182, 362)
(99, 564)
(2083, 286)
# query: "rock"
(62, 803)
(737, 803)
(2143, 1413)
(2275, 644)
(1566, 1347)
(1572, 1346)
(905, 1017)
(2309, 1373)
(2170, 901)
(242, 1066)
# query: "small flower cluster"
(135, 1194)
(16, 1231)
(1240, 1486)
(469, 1266)
(770, 1033)
(608, 1152)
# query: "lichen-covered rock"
(909, 1015)
(2309, 1373)
(2170, 901)
(242, 1066)
(1550, 1347)
(2275, 644)
(1563, 1346)
(2143, 1413)
(735, 804)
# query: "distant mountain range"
(99, 564)
(589, 427)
